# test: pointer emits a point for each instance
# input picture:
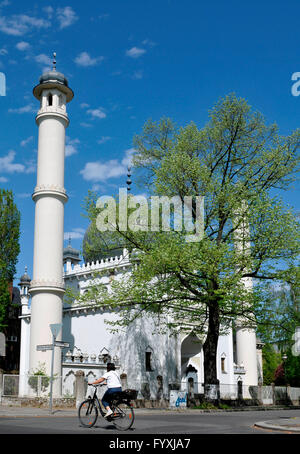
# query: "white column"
(245, 336)
(246, 354)
(25, 344)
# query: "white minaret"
(47, 287)
(25, 333)
(245, 335)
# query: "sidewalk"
(283, 424)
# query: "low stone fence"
(234, 395)
(38, 402)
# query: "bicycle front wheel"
(123, 416)
(87, 413)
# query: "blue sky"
(127, 61)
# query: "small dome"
(25, 279)
(53, 77)
(71, 253)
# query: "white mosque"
(152, 363)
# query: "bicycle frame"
(95, 399)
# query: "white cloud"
(127, 160)
(148, 42)
(84, 105)
(97, 113)
(71, 146)
(3, 179)
(3, 51)
(49, 11)
(135, 52)
(102, 171)
(103, 139)
(25, 109)
(43, 59)
(84, 59)
(77, 233)
(66, 16)
(24, 195)
(20, 24)
(137, 75)
(7, 164)
(30, 167)
(26, 141)
(23, 45)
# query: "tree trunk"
(211, 382)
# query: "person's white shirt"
(112, 379)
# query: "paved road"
(163, 422)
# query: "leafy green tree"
(271, 360)
(279, 315)
(9, 249)
(292, 369)
(235, 161)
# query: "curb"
(282, 428)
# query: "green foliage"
(271, 360)
(9, 249)
(4, 303)
(278, 313)
(292, 369)
(9, 235)
(234, 161)
(34, 379)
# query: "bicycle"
(122, 416)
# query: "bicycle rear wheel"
(123, 416)
(88, 413)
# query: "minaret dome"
(53, 80)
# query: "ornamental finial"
(128, 180)
(54, 61)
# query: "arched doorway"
(191, 362)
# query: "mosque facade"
(152, 362)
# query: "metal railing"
(29, 385)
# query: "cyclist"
(113, 386)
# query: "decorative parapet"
(103, 264)
(77, 358)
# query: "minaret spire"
(54, 61)
(128, 179)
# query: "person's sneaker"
(109, 413)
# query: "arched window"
(148, 359)
(50, 99)
(223, 363)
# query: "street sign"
(44, 347)
(55, 328)
(61, 344)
